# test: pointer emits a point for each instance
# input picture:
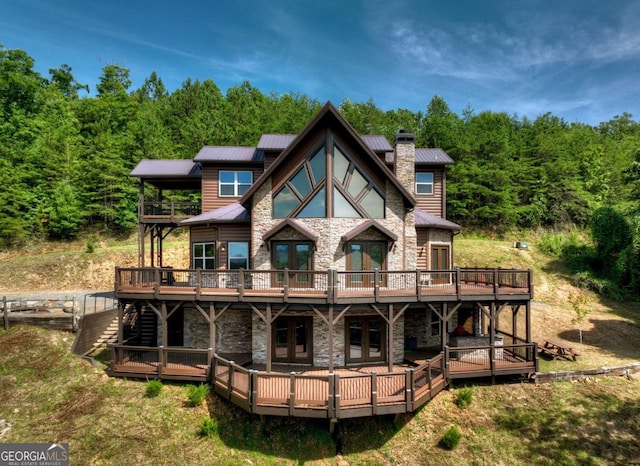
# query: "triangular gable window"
(304, 194)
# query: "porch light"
(223, 247)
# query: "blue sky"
(578, 59)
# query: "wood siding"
(433, 203)
(422, 255)
(210, 198)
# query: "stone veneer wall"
(330, 253)
(321, 339)
(233, 331)
(196, 329)
(418, 326)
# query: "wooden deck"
(306, 391)
(323, 287)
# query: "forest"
(66, 155)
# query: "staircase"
(108, 336)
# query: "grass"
(51, 396)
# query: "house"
(322, 279)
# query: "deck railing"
(477, 361)
(330, 395)
(160, 362)
(329, 285)
(169, 209)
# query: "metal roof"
(433, 156)
(377, 143)
(229, 154)
(230, 213)
(425, 219)
(147, 168)
(275, 141)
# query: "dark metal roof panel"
(147, 168)
(433, 157)
(425, 219)
(230, 213)
(377, 143)
(229, 154)
(275, 141)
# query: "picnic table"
(559, 349)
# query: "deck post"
(156, 285)
(495, 283)
(241, 283)
(253, 390)
(285, 287)
(374, 393)
(376, 284)
(230, 383)
(390, 340)
(160, 360)
(458, 286)
(409, 386)
(269, 342)
(292, 392)
(418, 285)
(447, 356)
(330, 337)
(331, 400)
(336, 394)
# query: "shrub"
(91, 246)
(197, 393)
(153, 388)
(464, 397)
(208, 427)
(451, 438)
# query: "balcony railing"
(168, 210)
(324, 286)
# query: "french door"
(292, 255)
(365, 339)
(292, 340)
(365, 255)
(440, 261)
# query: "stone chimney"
(404, 158)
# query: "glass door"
(292, 256)
(366, 337)
(366, 256)
(292, 340)
(440, 261)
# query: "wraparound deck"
(317, 392)
(323, 287)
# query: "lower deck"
(307, 391)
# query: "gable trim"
(365, 226)
(288, 222)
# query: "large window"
(238, 255)
(424, 183)
(204, 255)
(304, 195)
(305, 192)
(365, 339)
(234, 183)
(354, 195)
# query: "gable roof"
(232, 213)
(348, 236)
(289, 222)
(425, 219)
(329, 111)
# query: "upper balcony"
(167, 212)
(324, 287)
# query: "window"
(435, 324)
(365, 256)
(365, 339)
(354, 195)
(234, 183)
(304, 194)
(204, 255)
(424, 183)
(238, 255)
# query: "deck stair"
(108, 336)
